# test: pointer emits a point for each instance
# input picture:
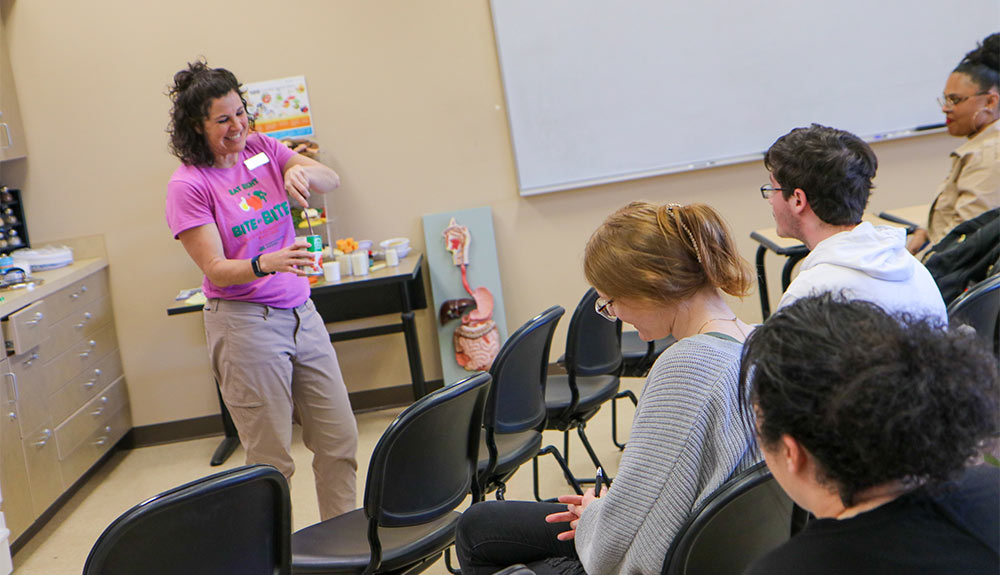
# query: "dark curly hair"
(873, 397)
(833, 167)
(982, 65)
(192, 93)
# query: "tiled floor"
(130, 477)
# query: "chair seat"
(340, 544)
(594, 390)
(634, 348)
(513, 449)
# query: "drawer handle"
(92, 345)
(12, 415)
(97, 412)
(101, 441)
(89, 384)
(38, 317)
(86, 317)
(31, 359)
(46, 435)
(12, 397)
(107, 429)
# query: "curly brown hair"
(873, 397)
(192, 93)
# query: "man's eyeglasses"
(952, 100)
(603, 307)
(767, 190)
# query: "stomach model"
(476, 340)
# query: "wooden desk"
(398, 289)
(795, 251)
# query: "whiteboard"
(600, 91)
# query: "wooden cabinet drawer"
(31, 387)
(97, 444)
(13, 472)
(92, 416)
(77, 295)
(44, 476)
(80, 324)
(84, 386)
(80, 356)
(27, 327)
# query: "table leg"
(765, 302)
(231, 439)
(412, 345)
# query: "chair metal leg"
(501, 490)
(551, 449)
(581, 431)
(614, 415)
(447, 563)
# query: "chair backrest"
(237, 521)
(517, 397)
(424, 465)
(980, 308)
(739, 523)
(593, 344)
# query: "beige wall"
(409, 108)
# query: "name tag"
(256, 161)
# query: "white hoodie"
(869, 263)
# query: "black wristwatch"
(255, 264)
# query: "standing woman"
(662, 269)
(971, 104)
(228, 204)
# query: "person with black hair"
(229, 205)
(871, 422)
(971, 105)
(820, 181)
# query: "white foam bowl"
(401, 245)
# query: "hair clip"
(677, 216)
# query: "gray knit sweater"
(687, 439)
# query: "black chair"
(979, 308)
(593, 368)
(515, 411)
(638, 356)
(743, 520)
(237, 521)
(422, 468)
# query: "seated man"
(820, 182)
(870, 422)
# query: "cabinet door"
(11, 132)
(44, 474)
(13, 472)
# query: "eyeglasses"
(767, 190)
(603, 307)
(952, 100)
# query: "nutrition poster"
(281, 107)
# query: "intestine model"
(476, 340)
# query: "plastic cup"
(331, 272)
(391, 257)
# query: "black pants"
(495, 534)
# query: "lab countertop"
(54, 280)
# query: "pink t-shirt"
(249, 206)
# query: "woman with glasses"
(663, 269)
(971, 105)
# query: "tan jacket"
(972, 187)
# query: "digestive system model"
(476, 339)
